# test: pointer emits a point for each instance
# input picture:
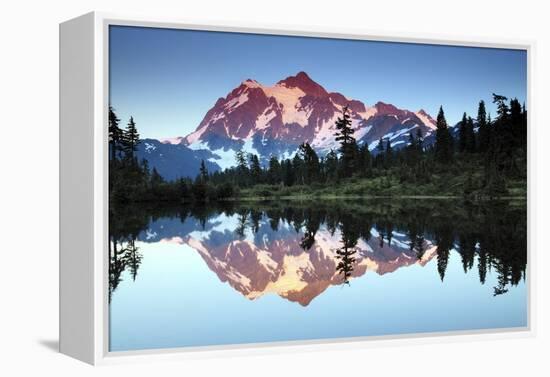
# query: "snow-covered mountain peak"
(275, 120)
(426, 119)
(305, 83)
(386, 108)
(249, 83)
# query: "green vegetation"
(488, 164)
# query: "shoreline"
(309, 198)
(352, 197)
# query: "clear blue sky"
(168, 79)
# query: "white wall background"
(29, 183)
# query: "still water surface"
(264, 272)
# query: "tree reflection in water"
(493, 234)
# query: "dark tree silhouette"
(203, 172)
(310, 163)
(443, 139)
(345, 254)
(115, 134)
(483, 131)
(130, 139)
(255, 168)
(462, 133)
(348, 146)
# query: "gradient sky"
(168, 79)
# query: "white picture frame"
(84, 195)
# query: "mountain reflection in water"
(298, 249)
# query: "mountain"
(268, 261)
(281, 267)
(275, 120)
(173, 161)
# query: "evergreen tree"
(443, 139)
(145, 170)
(365, 160)
(156, 179)
(503, 144)
(348, 146)
(470, 145)
(255, 169)
(130, 139)
(388, 153)
(413, 151)
(242, 168)
(524, 127)
(115, 134)
(183, 188)
(200, 191)
(311, 162)
(203, 172)
(419, 140)
(298, 167)
(380, 146)
(346, 253)
(240, 158)
(331, 165)
(444, 242)
(502, 108)
(519, 130)
(482, 264)
(274, 170)
(462, 133)
(133, 258)
(483, 130)
(412, 141)
(288, 173)
(380, 149)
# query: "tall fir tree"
(311, 162)
(348, 146)
(502, 107)
(516, 120)
(470, 145)
(462, 133)
(242, 168)
(504, 142)
(115, 134)
(274, 170)
(483, 128)
(443, 139)
(131, 139)
(255, 169)
(345, 254)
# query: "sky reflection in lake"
(280, 272)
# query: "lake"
(235, 273)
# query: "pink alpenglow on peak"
(305, 83)
(426, 119)
(275, 120)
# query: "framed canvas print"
(226, 188)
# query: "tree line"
(487, 152)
